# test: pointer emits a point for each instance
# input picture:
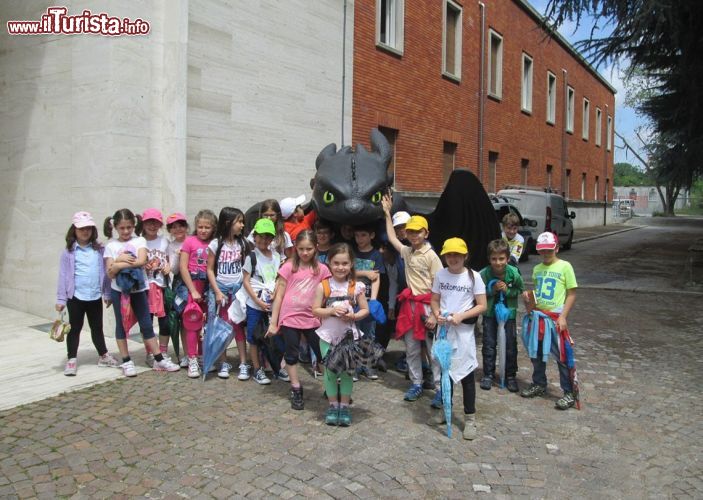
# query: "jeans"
(140, 306)
(77, 310)
(489, 349)
(273, 347)
(368, 326)
(539, 375)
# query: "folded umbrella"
(349, 354)
(442, 352)
(217, 336)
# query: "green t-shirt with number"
(551, 283)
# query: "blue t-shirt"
(369, 261)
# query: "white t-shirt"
(288, 243)
(263, 279)
(157, 249)
(457, 294)
(174, 254)
(229, 265)
(115, 248)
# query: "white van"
(548, 209)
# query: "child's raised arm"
(387, 203)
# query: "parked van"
(547, 208)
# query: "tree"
(662, 41)
(626, 174)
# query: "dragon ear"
(326, 152)
(380, 145)
(361, 150)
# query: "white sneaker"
(149, 360)
(71, 367)
(224, 370)
(193, 368)
(261, 378)
(165, 365)
(108, 360)
(184, 362)
(128, 369)
(244, 372)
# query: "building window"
(551, 98)
(609, 132)
(495, 64)
(524, 166)
(492, 171)
(583, 186)
(526, 83)
(549, 176)
(599, 119)
(586, 119)
(596, 185)
(389, 24)
(451, 45)
(567, 193)
(391, 136)
(570, 110)
(448, 160)
(652, 194)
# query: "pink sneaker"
(71, 368)
(107, 360)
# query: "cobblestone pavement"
(166, 436)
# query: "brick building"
(537, 114)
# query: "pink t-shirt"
(197, 254)
(296, 308)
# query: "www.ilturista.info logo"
(57, 21)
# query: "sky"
(626, 120)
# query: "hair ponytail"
(107, 227)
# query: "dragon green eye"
(376, 198)
(328, 197)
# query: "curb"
(595, 237)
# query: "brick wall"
(408, 92)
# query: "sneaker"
(371, 374)
(149, 360)
(107, 360)
(414, 393)
(243, 372)
(296, 399)
(355, 377)
(193, 368)
(437, 400)
(486, 383)
(332, 415)
(344, 416)
(128, 369)
(283, 375)
(533, 391)
(224, 370)
(261, 378)
(184, 362)
(469, 427)
(71, 367)
(566, 401)
(165, 365)
(511, 384)
(438, 418)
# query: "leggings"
(468, 385)
(140, 306)
(291, 336)
(346, 384)
(77, 310)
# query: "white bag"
(237, 311)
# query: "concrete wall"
(589, 214)
(249, 92)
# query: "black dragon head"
(350, 183)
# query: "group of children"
(305, 293)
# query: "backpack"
(327, 291)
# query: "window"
(389, 24)
(524, 166)
(609, 132)
(596, 185)
(549, 176)
(495, 64)
(551, 98)
(570, 110)
(492, 171)
(526, 83)
(583, 186)
(448, 160)
(599, 119)
(451, 45)
(567, 193)
(586, 119)
(391, 136)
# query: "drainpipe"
(605, 169)
(481, 91)
(344, 65)
(563, 134)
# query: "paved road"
(639, 355)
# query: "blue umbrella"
(502, 314)
(442, 352)
(218, 335)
